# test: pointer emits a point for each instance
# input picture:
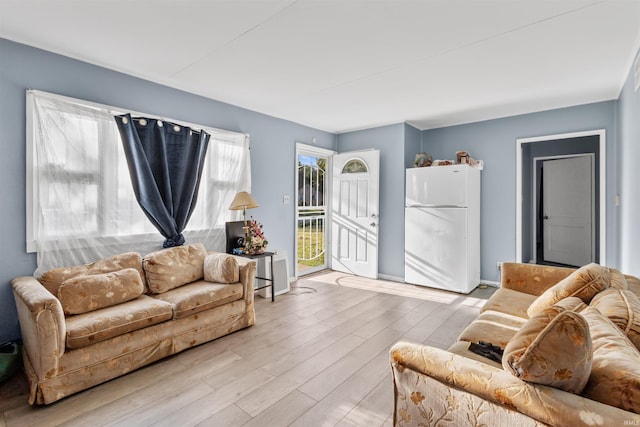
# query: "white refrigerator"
(442, 227)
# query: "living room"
(273, 155)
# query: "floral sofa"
(84, 325)
(570, 344)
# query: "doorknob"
(545, 217)
(373, 215)
(373, 224)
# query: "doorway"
(311, 208)
(564, 224)
(529, 231)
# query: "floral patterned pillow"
(618, 281)
(583, 283)
(552, 348)
(82, 294)
(170, 268)
(615, 375)
(622, 307)
(52, 279)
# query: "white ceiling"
(343, 65)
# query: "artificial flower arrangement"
(257, 241)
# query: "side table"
(268, 281)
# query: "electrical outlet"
(499, 266)
(285, 199)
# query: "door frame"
(602, 207)
(302, 148)
(536, 199)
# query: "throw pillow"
(574, 304)
(221, 268)
(583, 283)
(173, 267)
(52, 279)
(552, 348)
(618, 281)
(615, 378)
(622, 307)
(82, 294)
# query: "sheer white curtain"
(81, 206)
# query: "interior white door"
(568, 210)
(354, 213)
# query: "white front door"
(354, 213)
(568, 210)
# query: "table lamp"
(244, 201)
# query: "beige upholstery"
(511, 302)
(64, 355)
(52, 279)
(433, 387)
(501, 327)
(199, 296)
(82, 294)
(220, 268)
(552, 348)
(583, 283)
(173, 267)
(455, 387)
(622, 307)
(89, 328)
(615, 377)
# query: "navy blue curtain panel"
(165, 164)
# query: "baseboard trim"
(401, 280)
(391, 278)
(490, 283)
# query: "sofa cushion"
(583, 283)
(633, 284)
(221, 268)
(617, 280)
(199, 296)
(574, 304)
(461, 348)
(173, 267)
(552, 348)
(52, 279)
(89, 328)
(82, 294)
(492, 327)
(622, 307)
(615, 377)
(510, 302)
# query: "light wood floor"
(317, 356)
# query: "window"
(81, 205)
(354, 166)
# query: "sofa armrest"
(42, 325)
(486, 383)
(247, 277)
(532, 279)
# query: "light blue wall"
(629, 116)
(412, 144)
(21, 68)
(494, 141)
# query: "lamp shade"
(243, 200)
